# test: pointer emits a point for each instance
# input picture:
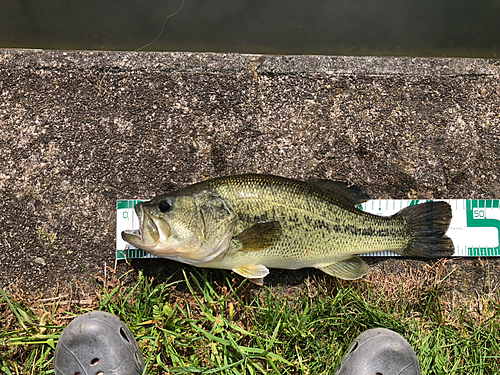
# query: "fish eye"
(165, 205)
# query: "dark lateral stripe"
(368, 232)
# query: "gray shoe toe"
(97, 343)
(379, 351)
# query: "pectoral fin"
(259, 236)
(255, 272)
(349, 269)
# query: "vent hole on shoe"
(354, 347)
(379, 373)
(137, 359)
(122, 332)
(100, 373)
(94, 362)
(78, 373)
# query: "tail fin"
(429, 222)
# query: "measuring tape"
(474, 228)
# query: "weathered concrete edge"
(242, 63)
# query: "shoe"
(97, 343)
(379, 351)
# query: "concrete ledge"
(81, 129)
(232, 63)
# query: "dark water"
(347, 27)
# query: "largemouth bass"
(250, 223)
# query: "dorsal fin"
(352, 193)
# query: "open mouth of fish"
(152, 230)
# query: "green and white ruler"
(126, 219)
(474, 228)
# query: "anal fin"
(349, 269)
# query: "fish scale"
(253, 222)
(314, 230)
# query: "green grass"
(195, 326)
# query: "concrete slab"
(80, 129)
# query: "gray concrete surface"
(81, 129)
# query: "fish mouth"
(152, 230)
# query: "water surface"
(333, 27)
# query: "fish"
(250, 223)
